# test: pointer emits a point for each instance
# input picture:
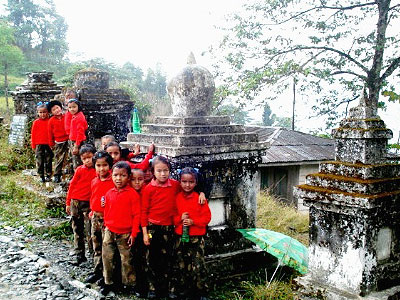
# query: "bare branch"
(392, 67)
(351, 73)
(394, 7)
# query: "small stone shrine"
(38, 86)
(355, 213)
(226, 156)
(108, 111)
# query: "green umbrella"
(289, 251)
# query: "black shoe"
(152, 295)
(100, 282)
(57, 179)
(92, 278)
(107, 288)
(42, 179)
(79, 259)
(47, 178)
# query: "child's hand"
(68, 210)
(185, 215)
(136, 150)
(188, 222)
(75, 150)
(152, 148)
(131, 241)
(146, 239)
(202, 198)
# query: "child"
(158, 209)
(77, 202)
(40, 142)
(77, 129)
(190, 254)
(58, 137)
(121, 220)
(106, 140)
(100, 185)
(114, 149)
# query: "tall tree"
(334, 48)
(268, 118)
(10, 55)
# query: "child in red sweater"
(58, 137)
(100, 185)
(40, 142)
(77, 129)
(193, 218)
(77, 202)
(158, 209)
(114, 149)
(121, 220)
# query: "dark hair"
(123, 165)
(191, 171)
(87, 148)
(53, 103)
(112, 144)
(103, 154)
(160, 159)
(108, 136)
(74, 100)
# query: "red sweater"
(57, 131)
(122, 211)
(199, 213)
(99, 188)
(79, 187)
(39, 132)
(78, 128)
(67, 122)
(158, 202)
(144, 164)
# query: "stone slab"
(363, 171)
(190, 129)
(206, 120)
(18, 130)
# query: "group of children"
(132, 214)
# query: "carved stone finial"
(191, 59)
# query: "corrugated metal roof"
(288, 146)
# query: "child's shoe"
(107, 288)
(57, 179)
(42, 179)
(47, 178)
(79, 259)
(92, 278)
(152, 295)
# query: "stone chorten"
(226, 155)
(355, 212)
(108, 111)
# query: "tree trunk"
(6, 88)
(294, 101)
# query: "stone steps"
(190, 129)
(353, 185)
(362, 171)
(202, 120)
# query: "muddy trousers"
(140, 252)
(97, 242)
(160, 258)
(80, 225)
(189, 272)
(114, 243)
(44, 158)
(61, 155)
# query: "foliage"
(333, 49)
(268, 118)
(284, 122)
(13, 82)
(237, 114)
(274, 215)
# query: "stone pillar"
(355, 213)
(227, 157)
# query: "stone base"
(310, 290)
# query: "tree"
(334, 50)
(10, 55)
(238, 115)
(268, 118)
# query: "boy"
(40, 142)
(77, 202)
(105, 140)
(58, 138)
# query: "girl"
(114, 149)
(190, 253)
(77, 129)
(100, 185)
(158, 209)
(121, 220)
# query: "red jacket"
(67, 122)
(79, 187)
(57, 131)
(78, 128)
(158, 202)
(199, 213)
(122, 210)
(99, 189)
(144, 164)
(39, 133)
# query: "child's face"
(188, 182)
(43, 113)
(115, 153)
(56, 110)
(104, 142)
(102, 167)
(120, 177)
(161, 172)
(148, 175)
(73, 108)
(87, 159)
(137, 179)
